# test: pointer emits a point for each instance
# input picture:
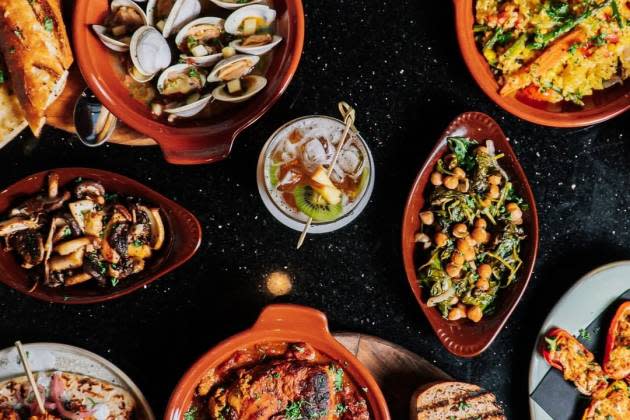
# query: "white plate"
(579, 306)
(53, 356)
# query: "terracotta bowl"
(280, 323)
(183, 237)
(465, 338)
(599, 107)
(193, 142)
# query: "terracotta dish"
(183, 238)
(193, 142)
(465, 338)
(280, 323)
(599, 107)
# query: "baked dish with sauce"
(278, 380)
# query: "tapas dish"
(220, 59)
(198, 72)
(83, 235)
(78, 233)
(35, 57)
(555, 51)
(471, 231)
(555, 63)
(578, 368)
(74, 384)
(468, 232)
(454, 400)
(293, 178)
(288, 365)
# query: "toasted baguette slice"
(454, 400)
(12, 120)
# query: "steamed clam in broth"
(201, 42)
(124, 19)
(253, 26)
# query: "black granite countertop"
(398, 62)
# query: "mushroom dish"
(82, 234)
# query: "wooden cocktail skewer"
(31, 378)
(348, 114)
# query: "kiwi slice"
(365, 177)
(320, 211)
(273, 171)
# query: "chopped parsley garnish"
(275, 375)
(584, 335)
(338, 373)
(1, 77)
(191, 414)
(193, 73)
(138, 243)
(294, 411)
(92, 403)
(340, 409)
(463, 406)
(49, 24)
(552, 343)
(67, 231)
(598, 40)
(114, 281)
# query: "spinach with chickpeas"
(471, 231)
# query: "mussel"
(125, 17)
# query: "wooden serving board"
(398, 371)
(60, 114)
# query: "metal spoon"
(94, 123)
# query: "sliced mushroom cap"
(157, 226)
(16, 224)
(119, 238)
(29, 244)
(40, 204)
(90, 189)
(95, 266)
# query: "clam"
(125, 17)
(198, 41)
(150, 53)
(184, 81)
(169, 16)
(253, 25)
(239, 90)
(233, 68)
(235, 4)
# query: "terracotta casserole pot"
(188, 142)
(463, 337)
(599, 107)
(280, 323)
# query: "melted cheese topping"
(616, 405)
(579, 365)
(619, 362)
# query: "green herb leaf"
(461, 147)
(49, 24)
(463, 406)
(114, 281)
(557, 10)
(584, 335)
(340, 409)
(191, 414)
(294, 411)
(338, 373)
(1, 77)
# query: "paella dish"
(183, 59)
(82, 234)
(471, 231)
(278, 380)
(555, 50)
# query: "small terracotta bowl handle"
(198, 149)
(291, 317)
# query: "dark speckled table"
(399, 64)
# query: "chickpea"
(453, 270)
(436, 178)
(457, 258)
(459, 173)
(456, 313)
(469, 254)
(482, 284)
(440, 239)
(422, 237)
(462, 246)
(460, 230)
(474, 313)
(481, 149)
(427, 217)
(484, 271)
(480, 235)
(494, 192)
(451, 182)
(485, 202)
(515, 212)
(471, 241)
(463, 186)
(481, 223)
(494, 179)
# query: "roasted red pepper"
(614, 405)
(577, 364)
(617, 352)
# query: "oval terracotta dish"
(601, 106)
(183, 237)
(280, 323)
(189, 143)
(465, 338)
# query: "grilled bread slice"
(12, 120)
(454, 400)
